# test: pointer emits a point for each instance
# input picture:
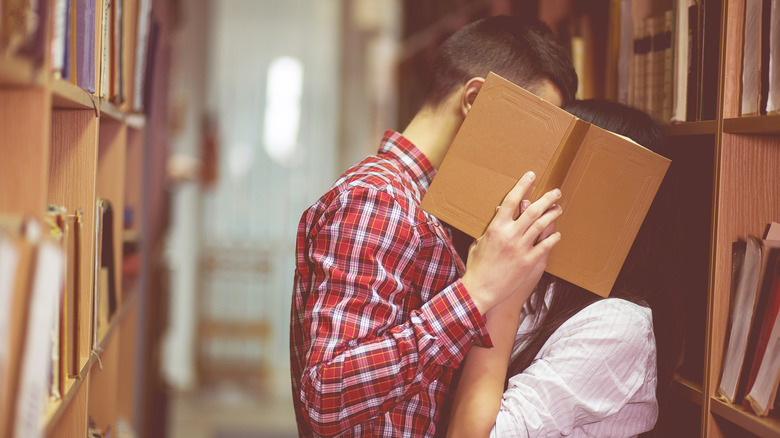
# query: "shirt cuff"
(458, 323)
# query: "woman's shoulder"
(621, 318)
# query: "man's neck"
(432, 132)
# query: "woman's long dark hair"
(648, 276)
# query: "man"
(380, 315)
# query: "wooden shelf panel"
(753, 125)
(110, 110)
(67, 95)
(707, 127)
(688, 389)
(738, 415)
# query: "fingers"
(550, 227)
(509, 206)
(536, 210)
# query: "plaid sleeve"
(363, 359)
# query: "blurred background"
(268, 103)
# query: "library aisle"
(231, 412)
(156, 157)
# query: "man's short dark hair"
(518, 48)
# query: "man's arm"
(481, 385)
(362, 357)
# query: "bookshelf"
(726, 169)
(63, 145)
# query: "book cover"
(608, 181)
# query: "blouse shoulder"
(610, 324)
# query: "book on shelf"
(666, 91)
(42, 322)
(141, 55)
(709, 21)
(59, 38)
(764, 59)
(680, 62)
(694, 59)
(105, 48)
(115, 90)
(764, 375)
(624, 51)
(19, 236)
(773, 90)
(749, 299)
(104, 299)
(751, 58)
(85, 45)
(608, 181)
(71, 58)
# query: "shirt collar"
(415, 162)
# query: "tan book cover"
(608, 181)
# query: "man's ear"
(469, 94)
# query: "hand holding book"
(512, 254)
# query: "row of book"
(751, 362)
(668, 60)
(761, 58)
(40, 310)
(90, 57)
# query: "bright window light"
(283, 110)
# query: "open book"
(608, 181)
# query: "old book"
(710, 53)
(694, 62)
(13, 309)
(743, 338)
(34, 371)
(773, 92)
(751, 58)
(765, 372)
(680, 76)
(608, 181)
(85, 45)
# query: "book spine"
(773, 92)
(564, 155)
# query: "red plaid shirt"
(380, 319)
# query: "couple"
(393, 335)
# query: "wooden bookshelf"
(727, 174)
(705, 127)
(62, 145)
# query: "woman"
(575, 364)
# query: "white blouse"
(594, 377)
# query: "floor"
(231, 412)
